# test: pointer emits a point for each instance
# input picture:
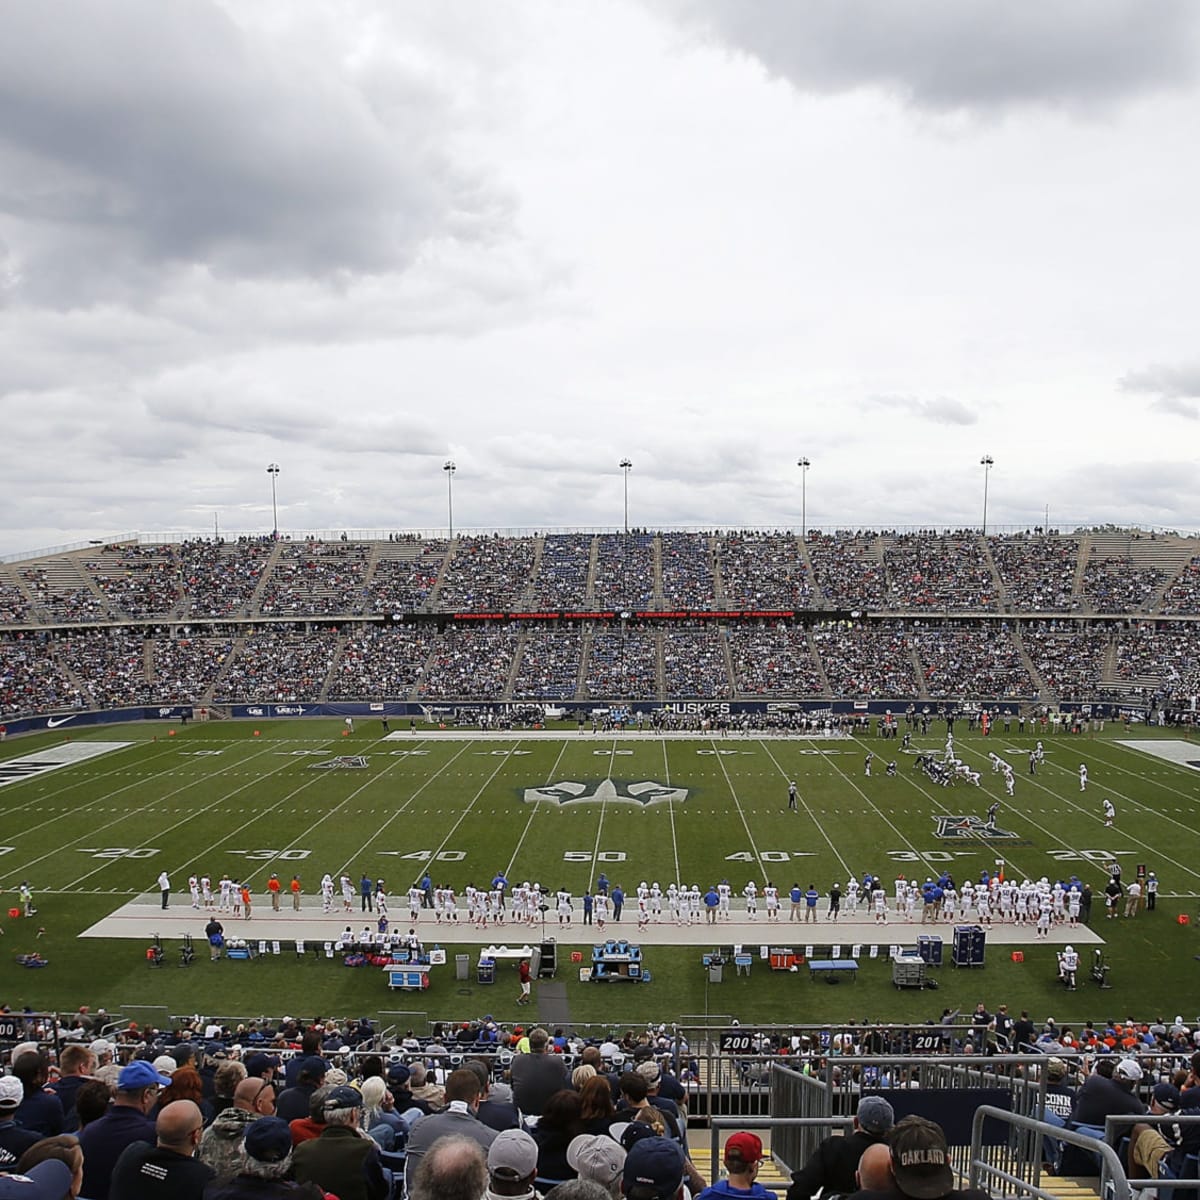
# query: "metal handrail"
(1115, 1121)
(1110, 1164)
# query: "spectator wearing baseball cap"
(921, 1163)
(512, 1161)
(265, 1167)
(1100, 1098)
(654, 1170)
(742, 1155)
(253, 1099)
(1151, 1155)
(126, 1122)
(49, 1180)
(343, 1160)
(597, 1157)
(14, 1140)
(832, 1165)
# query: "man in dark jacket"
(835, 1160)
(536, 1076)
(169, 1168)
(342, 1160)
(293, 1102)
(41, 1110)
(126, 1121)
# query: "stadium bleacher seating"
(884, 615)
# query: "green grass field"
(216, 798)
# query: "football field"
(90, 823)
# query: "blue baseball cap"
(653, 1168)
(140, 1074)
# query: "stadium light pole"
(626, 466)
(450, 468)
(803, 464)
(986, 462)
(273, 471)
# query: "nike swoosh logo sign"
(55, 722)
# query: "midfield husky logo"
(970, 827)
(344, 762)
(607, 791)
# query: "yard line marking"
(533, 808)
(983, 842)
(1093, 816)
(1178, 770)
(400, 811)
(807, 809)
(671, 813)
(741, 812)
(877, 809)
(163, 832)
(462, 816)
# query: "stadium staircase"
(335, 659)
(812, 649)
(435, 594)
(1001, 593)
(254, 604)
(1043, 689)
(218, 683)
(918, 673)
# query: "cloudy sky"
(358, 238)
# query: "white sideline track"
(144, 917)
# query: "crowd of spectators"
(694, 664)
(975, 660)
(623, 663)
(876, 571)
(1037, 571)
(1069, 656)
(280, 665)
(562, 578)
(773, 661)
(139, 582)
(470, 662)
(847, 569)
(381, 662)
(762, 571)
(1183, 596)
(185, 667)
(33, 679)
(931, 571)
(1161, 661)
(405, 583)
(549, 666)
(866, 659)
(14, 608)
(624, 571)
(218, 579)
(111, 665)
(489, 574)
(312, 579)
(1118, 585)
(687, 571)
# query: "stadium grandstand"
(895, 617)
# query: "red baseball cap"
(746, 1146)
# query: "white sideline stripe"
(141, 919)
